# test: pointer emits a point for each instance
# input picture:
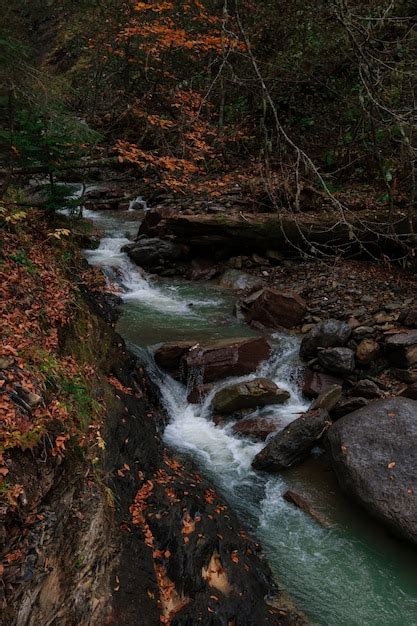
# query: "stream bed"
(353, 574)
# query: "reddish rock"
(255, 428)
(213, 360)
(169, 355)
(275, 309)
(316, 383)
(226, 357)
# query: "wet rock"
(198, 393)
(210, 361)
(327, 334)
(151, 253)
(348, 406)
(401, 349)
(293, 444)
(367, 351)
(367, 389)
(169, 355)
(328, 399)
(274, 309)
(408, 317)
(316, 383)
(256, 428)
(235, 279)
(249, 394)
(304, 505)
(363, 332)
(225, 358)
(374, 455)
(337, 360)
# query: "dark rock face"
(293, 444)
(337, 360)
(316, 383)
(169, 355)
(366, 389)
(214, 360)
(274, 309)
(248, 395)
(374, 454)
(401, 349)
(151, 253)
(347, 406)
(255, 428)
(328, 334)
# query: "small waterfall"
(345, 576)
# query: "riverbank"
(114, 528)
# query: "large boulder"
(374, 454)
(209, 361)
(328, 334)
(293, 444)
(152, 252)
(249, 394)
(339, 361)
(274, 309)
(401, 349)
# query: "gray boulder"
(340, 361)
(293, 444)
(150, 253)
(328, 334)
(374, 455)
(249, 394)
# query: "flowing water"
(353, 574)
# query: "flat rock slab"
(374, 454)
(210, 361)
